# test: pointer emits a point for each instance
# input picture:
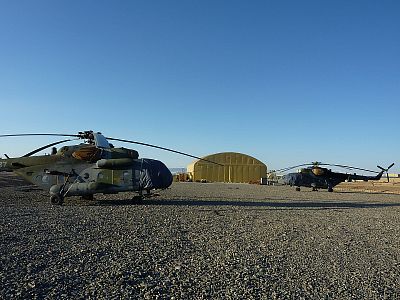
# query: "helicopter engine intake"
(120, 163)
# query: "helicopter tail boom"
(379, 176)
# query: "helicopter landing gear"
(297, 188)
(56, 199)
(330, 189)
(314, 189)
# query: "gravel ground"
(200, 241)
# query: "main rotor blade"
(44, 147)
(348, 167)
(39, 134)
(325, 164)
(162, 148)
(290, 168)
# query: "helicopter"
(318, 177)
(92, 167)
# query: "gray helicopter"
(318, 177)
(92, 167)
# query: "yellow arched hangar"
(237, 167)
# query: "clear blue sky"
(284, 81)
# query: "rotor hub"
(87, 135)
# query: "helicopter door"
(130, 179)
(136, 173)
(126, 177)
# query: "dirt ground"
(370, 186)
(202, 241)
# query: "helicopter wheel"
(56, 199)
(298, 189)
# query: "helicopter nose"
(157, 175)
(291, 179)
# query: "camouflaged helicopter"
(318, 177)
(92, 167)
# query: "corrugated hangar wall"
(237, 167)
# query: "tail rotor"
(386, 170)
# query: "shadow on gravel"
(12, 181)
(27, 188)
(366, 193)
(291, 204)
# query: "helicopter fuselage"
(95, 166)
(322, 178)
(81, 171)
(311, 180)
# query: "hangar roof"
(229, 158)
